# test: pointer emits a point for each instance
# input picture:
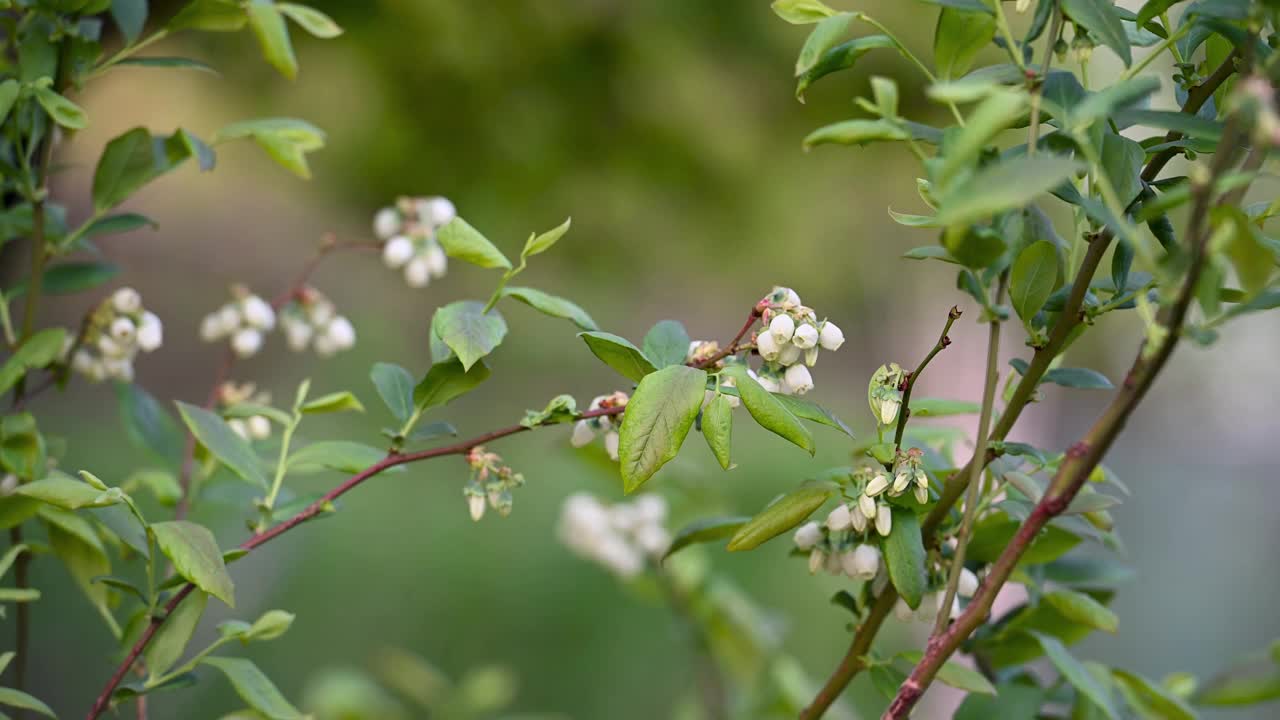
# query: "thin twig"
(944, 341)
(732, 347)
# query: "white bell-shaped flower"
(877, 485)
(782, 327)
(968, 584)
(126, 300)
(884, 520)
(123, 330)
(398, 251)
(808, 535)
(246, 342)
(798, 379)
(259, 427)
(386, 222)
(789, 354)
(150, 332)
(341, 332)
(830, 336)
(806, 336)
(437, 261)
(768, 346)
(417, 273)
(582, 435)
(867, 506)
(866, 562)
(838, 519)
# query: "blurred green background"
(669, 131)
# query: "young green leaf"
(267, 23)
(1253, 681)
(768, 410)
(537, 244)
(18, 699)
(395, 387)
(666, 343)
(130, 17)
(1005, 185)
(1012, 702)
(954, 674)
(779, 517)
(959, 36)
(808, 410)
(995, 114)
(1159, 701)
(841, 57)
(196, 557)
(659, 416)
(1076, 673)
(340, 455)
(209, 16)
(552, 305)
(254, 687)
(446, 381)
(132, 160)
(619, 354)
(801, 12)
(342, 401)
(155, 61)
(63, 111)
(469, 331)
(233, 450)
(1099, 17)
(148, 424)
(717, 428)
(171, 639)
(9, 90)
(1033, 279)
(905, 557)
(66, 492)
(825, 36)
(561, 409)
(38, 351)
(286, 140)
(1078, 607)
(856, 132)
(704, 530)
(272, 624)
(464, 242)
(311, 20)
(1080, 378)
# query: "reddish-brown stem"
(944, 341)
(1083, 456)
(732, 347)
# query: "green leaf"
(311, 20)
(1159, 701)
(658, 417)
(72, 277)
(619, 354)
(173, 636)
(342, 401)
(666, 344)
(23, 701)
(1076, 673)
(148, 424)
(6, 562)
(1012, 702)
(552, 305)
(779, 517)
(537, 244)
(998, 112)
(464, 242)
(959, 36)
(808, 410)
(196, 557)
(705, 530)
(1081, 378)
(267, 23)
(9, 90)
(63, 111)
(209, 16)
(1033, 279)
(38, 351)
(1153, 8)
(954, 674)
(768, 411)
(156, 61)
(446, 381)
(231, 449)
(77, 546)
(395, 387)
(1081, 608)
(1005, 185)
(285, 140)
(1122, 161)
(468, 330)
(801, 12)
(824, 36)
(254, 687)
(905, 557)
(856, 132)
(941, 407)
(272, 624)
(992, 534)
(841, 57)
(68, 493)
(1099, 17)
(132, 160)
(560, 409)
(130, 17)
(1250, 682)
(717, 428)
(340, 455)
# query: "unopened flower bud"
(968, 584)
(476, 505)
(798, 380)
(817, 559)
(858, 520)
(768, 346)
(246, 342)
(922, 495)
(884, 520)
(806, 336)
(830, 336)
(838, 519)
(582, 434)
(900, 482)
(398, 251)
(782, 328)
(811, 356)
(889, 410)
(867, 505)
(150, 332)
(611, 444)
(417, 274)
(866, 562)
(126, 300)
(877, 485)
(808, 535)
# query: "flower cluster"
(619, 537)
(117, 331)
(408, 231)
(245, 320)
(789, 342)
(249, 427)
(491, 483)
(584, 431)
(310, 320)
(884, 394)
